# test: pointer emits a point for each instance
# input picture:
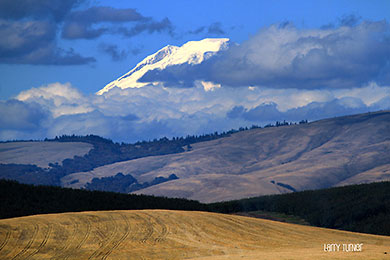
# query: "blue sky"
(238, 20)
(294, 60)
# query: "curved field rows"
(163, 234)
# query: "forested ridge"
(360, 208)
(24, 199)
(124, 183)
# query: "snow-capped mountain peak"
(192, 52)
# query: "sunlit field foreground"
(164, 234)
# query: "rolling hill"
(162, 234)
(359, 208)
(326, 153)
(41, 153)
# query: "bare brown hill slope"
(41, 153)
(163, 234)
(326, 153)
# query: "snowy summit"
(192, 52)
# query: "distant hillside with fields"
(273, 160)
(276, 159)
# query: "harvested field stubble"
(164, 234)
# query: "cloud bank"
(54, 10)
(31, 31)
(28, 32)
(81, 24)
(156, 111)
(282, 56)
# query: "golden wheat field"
(164, 234)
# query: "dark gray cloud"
(216, 29)
(37, 9)
(58, 56)
(176, 76)
(236, 112)
(98, 14)
(212, 29)
(149, 26)
(113, 51)
(21, 38)
(79, 24)
(262, 113)
(83, 24)
(29, 29)
(130, 117)
(319, 110)
(17, 115)
(33, 42)
(198, 30)
(312, 111)
(74, 30)
(287, 57)
(350, 20)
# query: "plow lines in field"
(163, 234)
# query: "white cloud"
(52, 91)
(60, 99)
(155, 111)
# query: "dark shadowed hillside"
(360, 208)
